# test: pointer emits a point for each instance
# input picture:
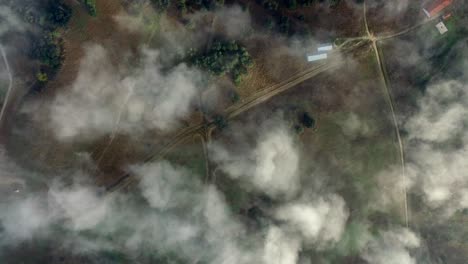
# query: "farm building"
(441, 27)
(435, 7)
(325, 47)
(317, 57)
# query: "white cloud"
(392, 247)
(79, 205)
(166, 187)
(321, 222)
(354, 126)
(23, 219)
(439, 145)
(441, 114)
(10, 21)
(272, 166)
(280, 248)
(235, 22)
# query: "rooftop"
(434, 7)
(316, 57)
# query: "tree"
(161, 5)
(224, 58)
(291, 4)
(42, 77)
(91, 6)
(271, 5)
(220, 122)
(306, 120)
(334, 3)
(182, 6)
(233, 96)
(58, 13)
(284, 25)
(48, 51)
(306, 2)
(298, 129)
(269, 23)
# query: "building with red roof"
(436, 7)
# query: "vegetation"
(306, 120)
(220, 122)
(91, 6)
(48, 50)
(271, 5)
(334, 3)
(305, 2)
(291, 4)
(233, 96)
(182, 5)
(193, 5)
(42, 76)
(47, 17)
(58, 13)
(284, 25)
(275, 5)
(224, 58)
(161, 5)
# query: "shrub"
(91, 6)
(48, 50)
(58, 13)
(42, 76)
(306, 120)
(161, 5)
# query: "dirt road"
(389, 98)
(10, 80)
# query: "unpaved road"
(389, 98)
(10, 80)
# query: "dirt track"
(386, 83)
(10, 80)
(204, 130)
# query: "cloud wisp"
(104, 97)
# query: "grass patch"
(189, 155)
(358, 158)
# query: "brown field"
(341, 21)
(383, 21)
